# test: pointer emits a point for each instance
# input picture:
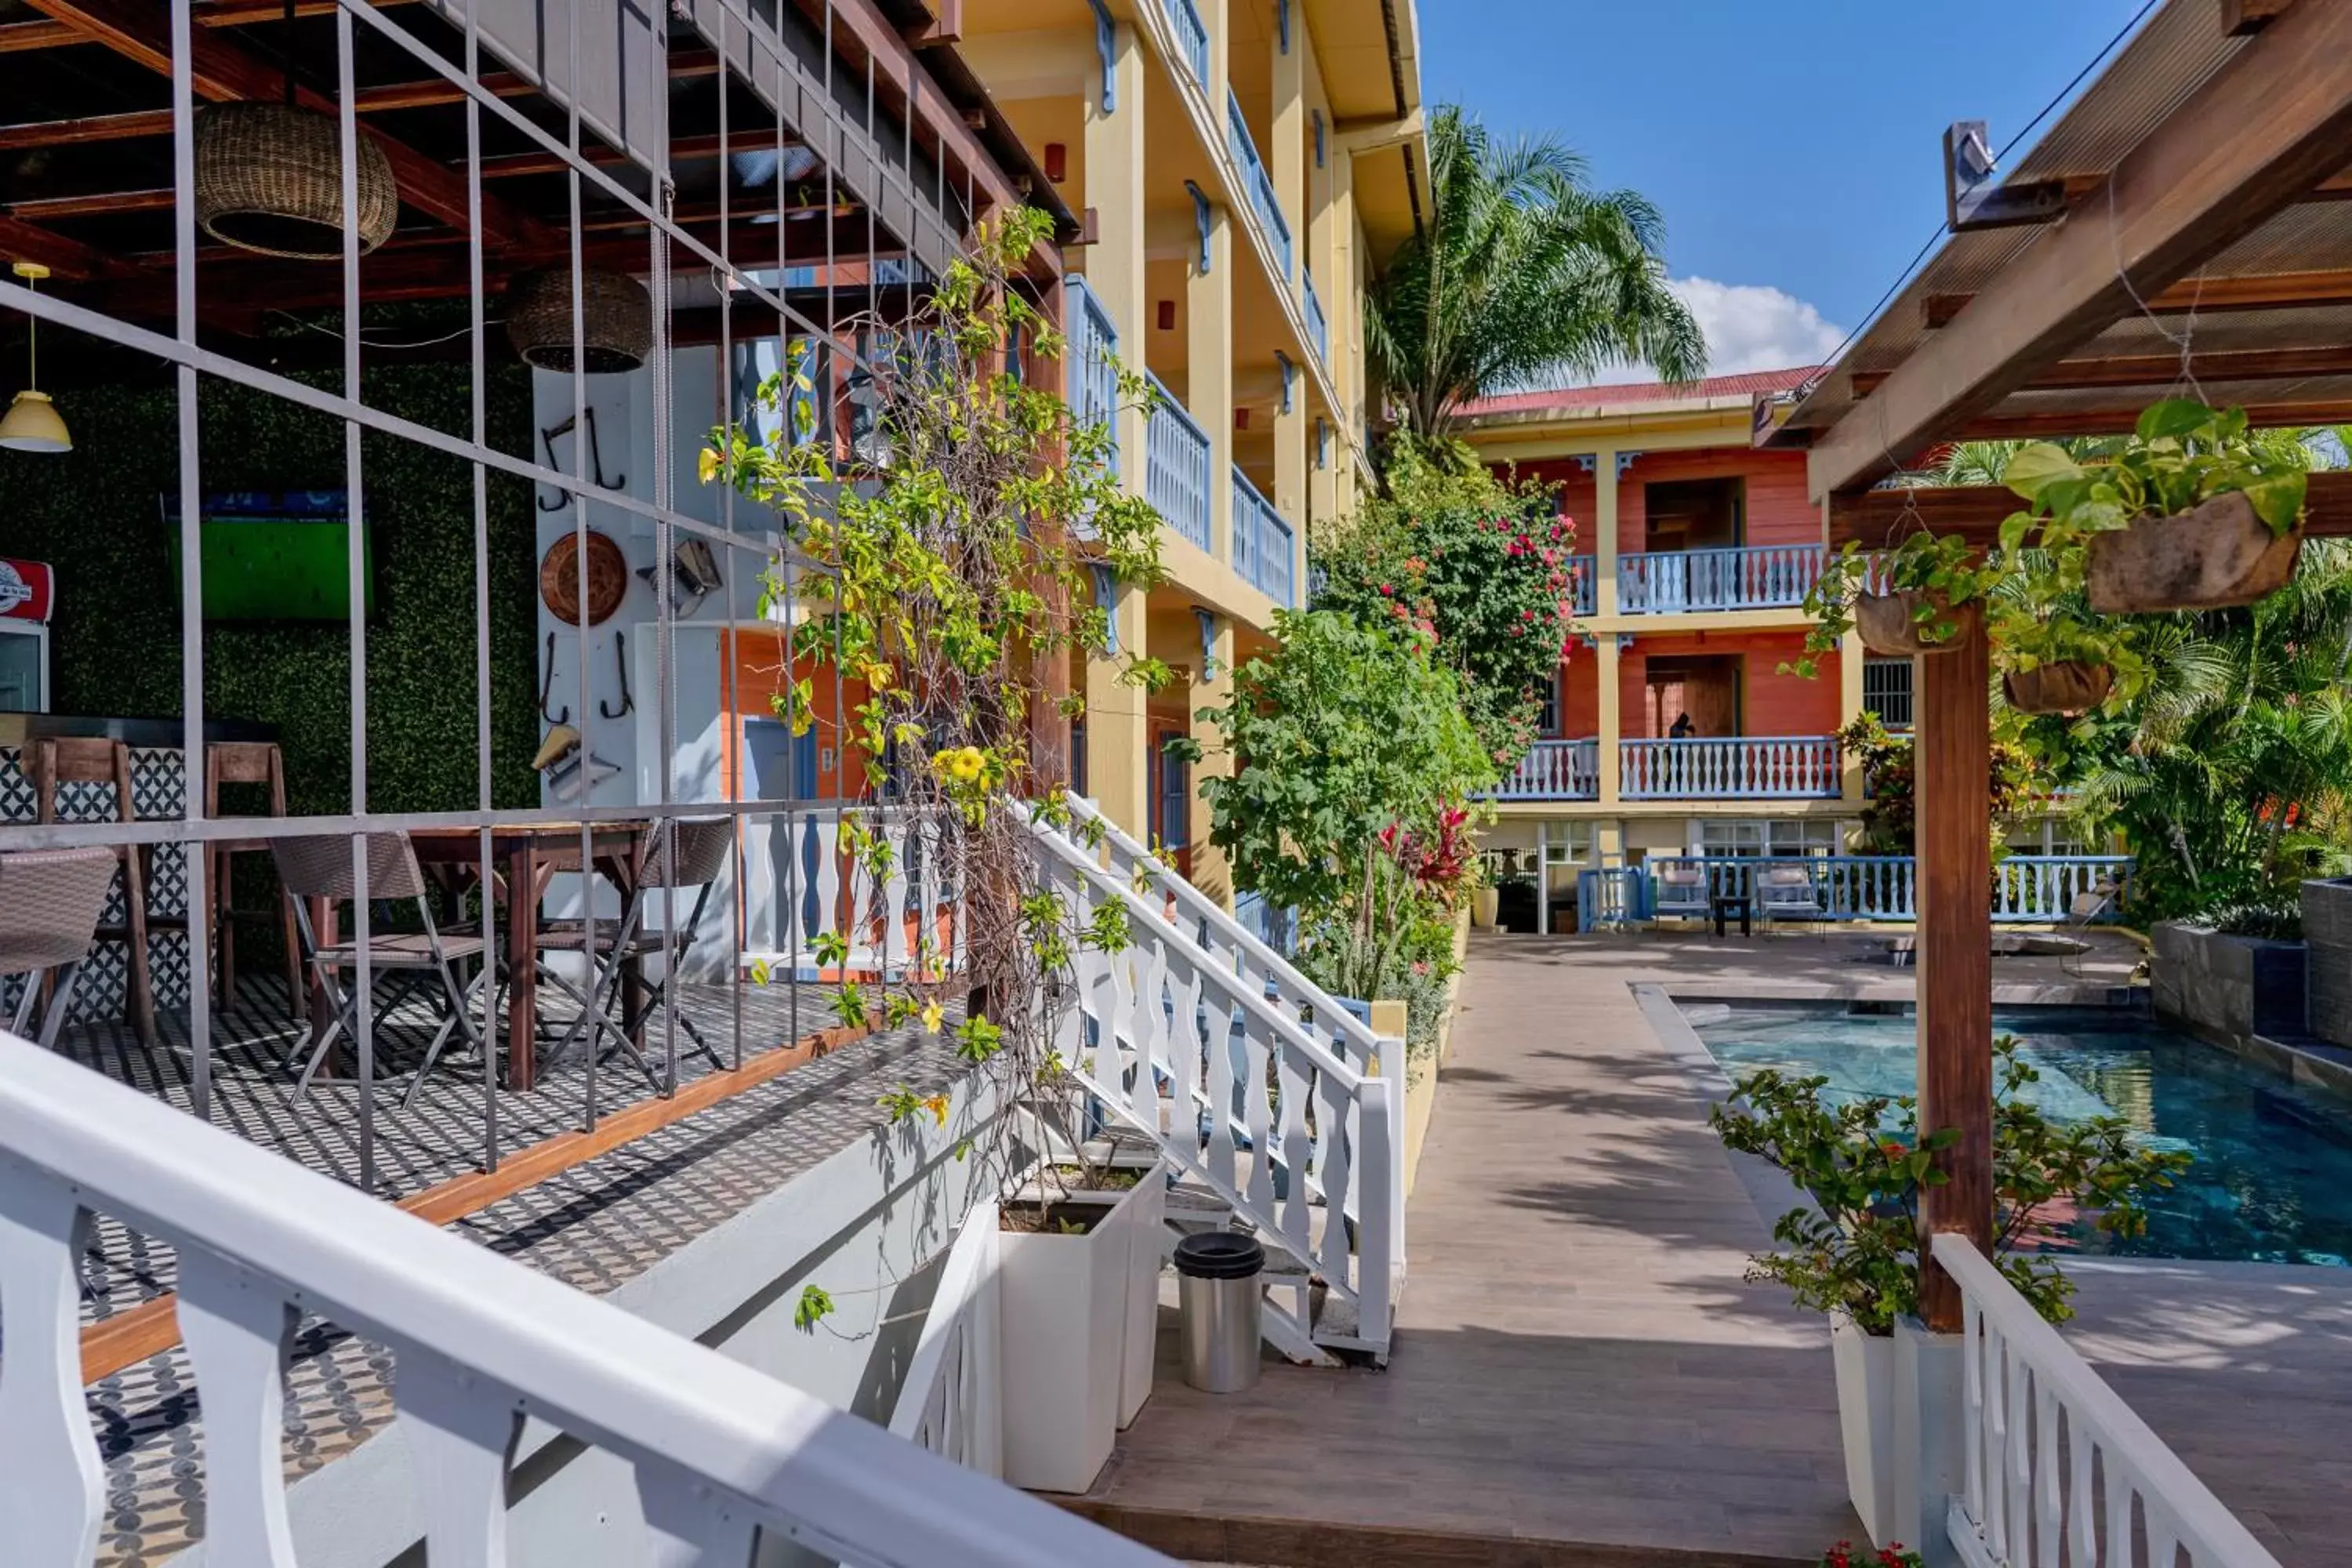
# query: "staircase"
(1281, 1113)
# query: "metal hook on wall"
(548, 434)
(547, 686)
(621, 657)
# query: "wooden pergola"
(2181, 230)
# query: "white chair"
(2084, 911)
(1682, 892)
(1788, 894)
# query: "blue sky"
(1794, 149)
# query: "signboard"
(28, 590)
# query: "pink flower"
(1526, 615)
(1386, 589)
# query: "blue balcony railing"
(1259, 184)
(1759, 576)
(1555, 770)
(1090, 356)
(1191, 36)
(1318, 326)
(1176, 467)
(1580, 579)
(1743, 767)
(1263, 543)
(2030, 890)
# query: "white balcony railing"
(1756, 577)
(1191, 36)
(951, 1402)
(1581, 580)
(1263, 543)
(1176, 467)
(720, 1452)
(1257, 182)
(1319, 326)
(1765, 767)
(1090, 353)
(1555, 770)
(2057, 1466)
(795, 864)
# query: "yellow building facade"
(1242, 168)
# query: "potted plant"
(933, 580)
(2052, 658)
(1911, 598)
(2191, 512)
(1852, 1251)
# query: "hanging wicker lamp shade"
(617, 319)
(270, 178)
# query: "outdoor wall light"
(32, 423)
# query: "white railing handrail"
(2212, 1533)
(963, 1306)
(1199, 906)
(709, 1435)
(1292, 1035)
(1652, 741)
(1173, 406)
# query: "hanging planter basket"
(616, 321)
(2214, 556)
(269, 179)
(2065, 685)
(1890, 624)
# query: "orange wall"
(1770, 703)
(1580, 691)
(1777, 512)
(759, 672)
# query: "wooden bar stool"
(60, 762)
(246, 762)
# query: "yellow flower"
(707, 465)
(942, 759)
(968, 763)
(937, 1106)
(933, 1016)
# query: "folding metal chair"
(1682, 893)
(2083, 911)
(703, 844)
(50, 904)
(320, 868)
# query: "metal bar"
(355, 502)
(194, 764)
(480, 429)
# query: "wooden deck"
(1580, 1376)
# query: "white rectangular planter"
(1146, 1209)
(1065, 1301)
(1865, 1390)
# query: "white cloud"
(1752, 326)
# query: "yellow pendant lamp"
(32, 424)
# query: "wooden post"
(1953, 725)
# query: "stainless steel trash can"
(1220, 1307)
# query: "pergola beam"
(2255, 138)
(68, 258)
(2163, 370)
(2205, 296)
(1877, 518)
(221, 69)
(16, 37)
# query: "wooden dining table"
(525, 856)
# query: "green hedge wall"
(95, 515)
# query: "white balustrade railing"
(1319, 326)
(2058, 1468)
(1176, 467)
(1195, 1041)
(1191, 36)
(720, 1451)
(1747, 767)
(2038, 887)
(1555, 770)
(952, 1400)
(1243, 146)
(1582, 586)
(801, 880)
(1753, 578)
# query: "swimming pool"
(2272, 1178)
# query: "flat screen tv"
(276, 555)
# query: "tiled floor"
(594, 1226)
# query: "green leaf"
(2037, 466)
(2173, 419)
(2277, 499)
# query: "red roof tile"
(1746, 383)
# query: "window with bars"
(1886, 690)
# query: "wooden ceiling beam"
(2162, 370)
(2206, 296)
(385, 99)
(68, 258)
(2259, 133)
(47, 33)
(223, 70)
(1877, 518)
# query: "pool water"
(2271, 1179)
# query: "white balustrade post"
(51, 1485)
(1930, 1435)
(238, 1330)
(1379, 1247)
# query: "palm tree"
(1521, 273)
